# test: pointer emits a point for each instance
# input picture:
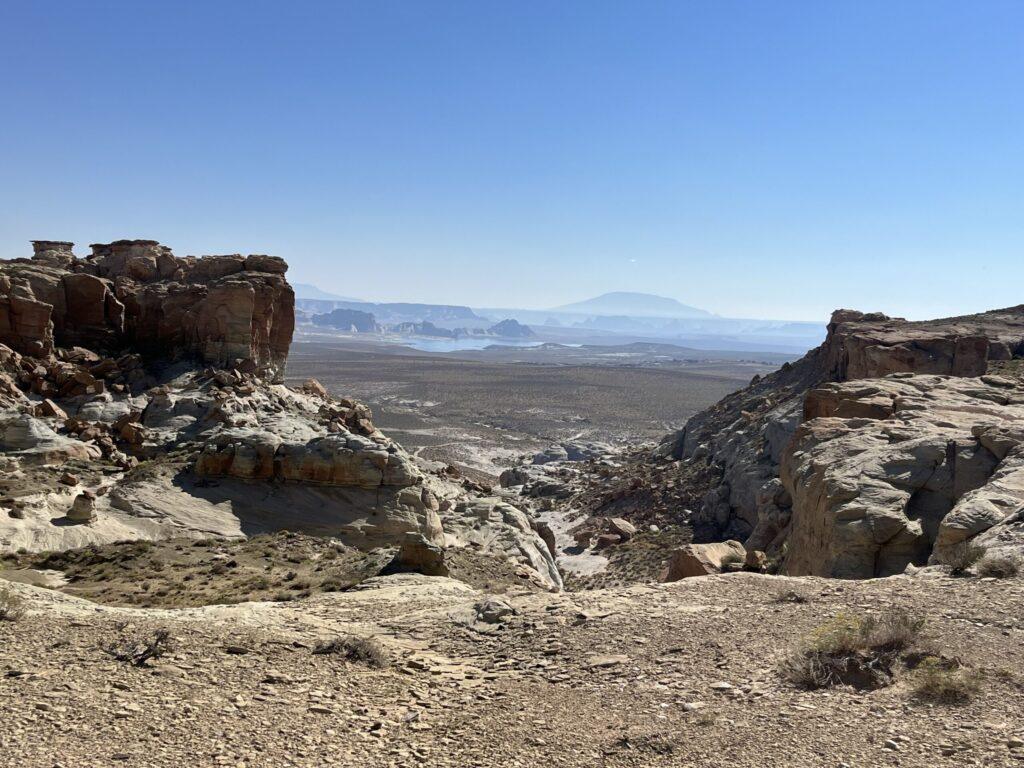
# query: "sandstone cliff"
(874, 451)
(229, 311)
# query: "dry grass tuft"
(999, 567)
(939, 681)
(963, 557)
(362, 650)
(12, 607)
(791, 596)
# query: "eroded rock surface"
(902, 469)
(853, 456)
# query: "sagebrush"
(363, 650)
(861, 651)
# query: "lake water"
(459, 345)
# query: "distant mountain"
(307, 291)
(621, 303)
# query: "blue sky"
(757, 159)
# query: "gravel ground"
(669, 674)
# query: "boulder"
(493, 610)
(339, 459)
(703, 559)
(417, 555)
(314, 387)
(83, 509)
(50, 410)
(624, 529)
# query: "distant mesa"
(352, 320)
(511, 329)
(622, 303)
(426, 328)
(506, 329)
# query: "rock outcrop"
(229, 311)
(855, 460)
(901, 470)
(153, 378)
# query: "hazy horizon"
(771, 161)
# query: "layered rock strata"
(230, 311)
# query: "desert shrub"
(892, 631)
(337, 584)
(999, 567)
(852, 650)
(791, 596)
(363, 650)
(12, 607)
(963, 556)
(941, 681)
(259, 583)
(138, 649)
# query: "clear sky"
(757, 159)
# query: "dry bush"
(791, 596)
(363, 650)
(963, 556)
(940, 681)
(12, 607)
(999, 567)
(852, 650)
(892, 631)
(138, 650)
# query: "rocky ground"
(660, 674)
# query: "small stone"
(599, 661)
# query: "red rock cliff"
(230, 311)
